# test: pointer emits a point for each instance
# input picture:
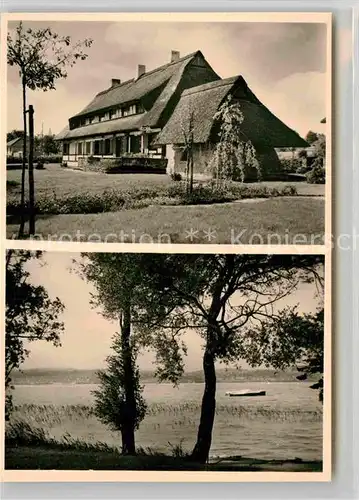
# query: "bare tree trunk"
(128, 427)
(191, 171)
(202, 447)
(187, 171)
(24, 153)
(31, 173)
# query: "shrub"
(289, 191)
(316, 175)
(49, 159)
(291, 165)
(175, 176)
(40, 165)
(91, 159)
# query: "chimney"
(141, 70)
(175, 55)
(115, 81)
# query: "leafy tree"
(118, 283)
(30, 315)
(234, 156)
(294, 340)
(14, 134)
(311, 137)
(219, 297)
(111, 399)
(317, 174)
(41, 57)
(46, 145)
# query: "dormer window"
(129, 110)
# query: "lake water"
(286, 423)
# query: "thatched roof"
(126, 123)
(14, 141)
(259, 125)
(165, 78)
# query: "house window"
(113, 114)
(88, 148)
(135, 144)
(97, 147)
(66, 148)
(79, 148)
(108, 147)
(129, 110)
(139, 108)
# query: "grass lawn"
(231, 223)
(46, 458)
(62, 181)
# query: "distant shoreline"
(77, 377)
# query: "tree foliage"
(234, 155)
(311, 137)
(110, 397)
(118, 283)
(317, 174)
(293, 340)
(46, 145)
(14, 134)
(30, 313)
(42, 56)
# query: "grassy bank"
(30, 448)
(47, 458)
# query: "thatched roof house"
(125, 117)
(262, 127)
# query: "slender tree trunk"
(31, 173)
(187, 171)
(200, 452)
(24, 154)
(191, 170)
(128, 427)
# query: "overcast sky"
(87, 338)
(283, 63)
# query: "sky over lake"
(87, 338)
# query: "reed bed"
(269, 432)
(181, 412)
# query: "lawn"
(292, 220)
(259, 221)
(62, 181)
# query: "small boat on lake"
(246, 393)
